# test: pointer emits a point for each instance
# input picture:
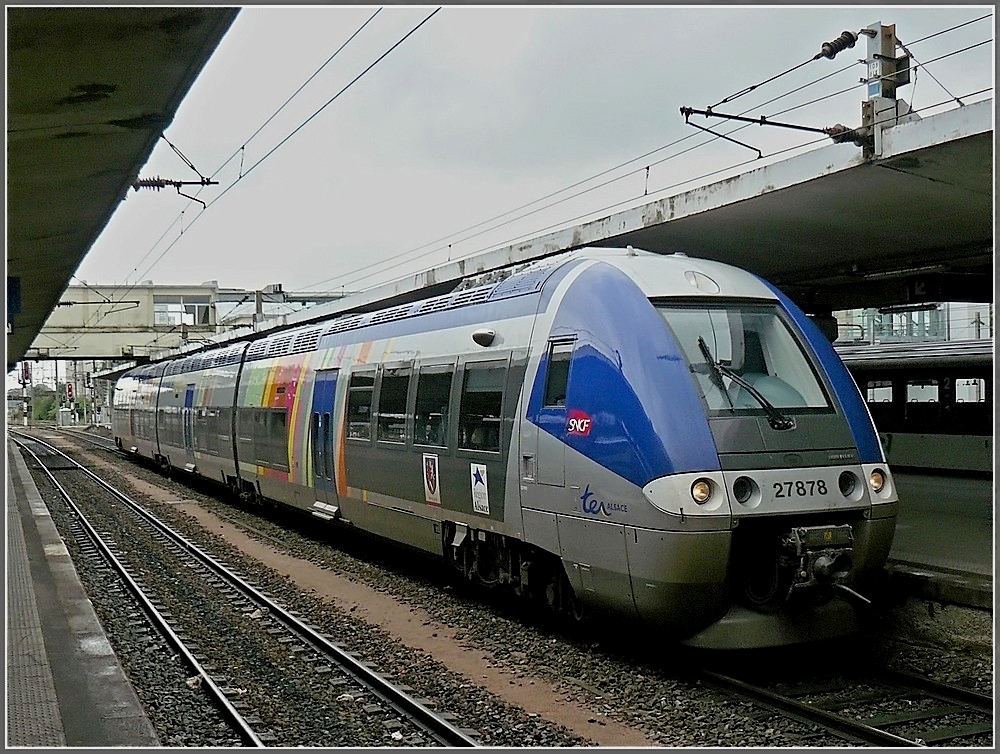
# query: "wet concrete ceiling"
(89, 91)
(905, 230)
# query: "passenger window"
(922, 391)
(972, 390)
(277, 437)
(557, 378)
(482, 397)
(392, 405)
(359, 405)
(263, 436)
(327, 446)
(879, 391)
(433, 393)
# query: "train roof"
(519, 280)
(924, 354)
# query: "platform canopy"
(89, 91)
(833, 228)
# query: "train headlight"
(876, 480)
(880, 486)
(701, 491)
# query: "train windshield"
(745, 358)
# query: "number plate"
(800, 488)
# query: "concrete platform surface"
(65, 686)
(945, 542)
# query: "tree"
(45, 407)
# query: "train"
(932, 402)
(607, 431)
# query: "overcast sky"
(478, 112)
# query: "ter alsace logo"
(579, 423)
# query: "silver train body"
(609, 431)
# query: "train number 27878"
(800, 488)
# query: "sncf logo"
(579, 423)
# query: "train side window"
(359, 405)
(277, 438)
(479, 413)
(327, 446)
(922, 410)
(263, 436)
(206, 432)
(244, 434)
(971, 390)
(878, 391)
(557, 379)
(431, 412)
(392, 405)
(922, 391)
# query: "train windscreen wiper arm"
(716, 371)
(775, 418)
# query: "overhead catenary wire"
(704, 176)
(934, 60)
(262, 126)
(329, 102)
(351, 278)
(258, 131)
(100, 316)
(296, 92)
(951, 29)
(846, 40)
(298, 128)
(523, 206)
(397, 257)
(828, 50)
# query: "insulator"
(151, 183)
(843, 42)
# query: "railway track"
(237, 641)
(820, 712)
(884, 708)
(96, 441)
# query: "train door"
(188, 420)
(321, 437)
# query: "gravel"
(615, 675)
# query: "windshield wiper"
(716, 372)
(775, 418)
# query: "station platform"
(944, 545)
(66, 688)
